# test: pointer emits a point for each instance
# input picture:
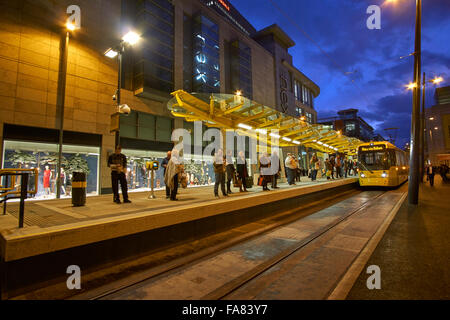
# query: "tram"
(382, 164)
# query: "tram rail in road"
(282, 260)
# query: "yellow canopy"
(235, 112)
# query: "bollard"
(79, 189)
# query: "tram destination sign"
(380, 147)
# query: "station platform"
(103, 234)
(56, 225)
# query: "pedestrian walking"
(219, 170)
(118, 164)
(242, 171)
(164, 164)
(171, 176)
(276, 169)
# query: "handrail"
(23, 193)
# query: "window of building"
(241, 69)
(350, 127)
(309, 117)
(144, 126)
(44, 157)
(305, 95)
(297, 90)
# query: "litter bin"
(79, 189)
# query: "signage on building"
(283, 94)
(225, 4)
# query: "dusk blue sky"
(339, 27)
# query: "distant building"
(351, 125)
(437, 128)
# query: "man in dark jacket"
(230, 170)
(118, 164)
(219, 170)
(242, 172)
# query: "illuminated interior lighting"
(287, 139)
(296, 142)
(274, 135)
(244, 126)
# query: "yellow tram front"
(382, 164)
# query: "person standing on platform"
(164, 164)
(314, 165)
(264, 170)
(242, 171)
(173, 170)
(219, 170)
(328, 168)
(275, 161)
(346, 167)
(290, 167)
(118, 164)
(430, 173)
(338, 166)
(230, 170)
(332, 161)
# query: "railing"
(7, 191)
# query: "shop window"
(43, 156)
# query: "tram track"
(223, 291)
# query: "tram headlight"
(384, 175)
(363, 175)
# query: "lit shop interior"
(44, 157)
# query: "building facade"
(196, 45)
(351, 125)
(437, 129)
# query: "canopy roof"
(227, 111)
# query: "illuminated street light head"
(437, 80)
(70, 26)
(131, 38)
(111, 53)
(411, 86)
(239, 93)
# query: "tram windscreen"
(374, 158)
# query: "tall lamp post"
(435, 81)
(61, 98)
(130, 39)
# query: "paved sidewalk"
(414, 254)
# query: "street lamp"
(129, 39)
(61, 99)
(434, 81)
(413, 188)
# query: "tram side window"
(391, 158)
